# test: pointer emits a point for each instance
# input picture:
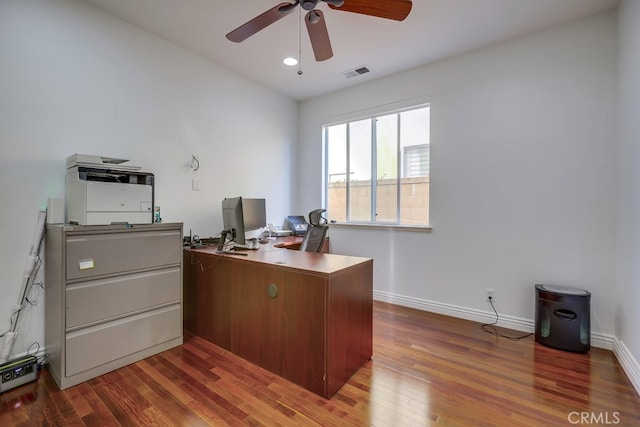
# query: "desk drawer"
(116, 296)
(111, 253)
(97, 345)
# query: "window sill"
(414, 228)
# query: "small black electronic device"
(297, 224)
(18, 372)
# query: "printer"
(105, 190)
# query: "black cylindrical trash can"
(563, 318)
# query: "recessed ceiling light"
(290, 61)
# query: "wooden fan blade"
(397, 10)
(317, 29)
(260, 22)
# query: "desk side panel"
(350, 324)
(283, 333)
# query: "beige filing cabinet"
(113, 296)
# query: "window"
(377, 169)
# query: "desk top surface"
(268, 253)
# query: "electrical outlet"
(490, 295)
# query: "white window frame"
(371, 113)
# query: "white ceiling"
(435, 29)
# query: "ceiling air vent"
(356, 71)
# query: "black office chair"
(316, 232)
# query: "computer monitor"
(254, 213)
(241, 215)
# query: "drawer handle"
(272, 290)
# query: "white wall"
(627, 304)
(523, 177)
(75, 80)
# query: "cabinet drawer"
(109, 253)
(97, 345)
(102, 299)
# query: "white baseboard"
(628, 362)
(474, 315)
(599, 340)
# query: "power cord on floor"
(33, 350)
(490, 328)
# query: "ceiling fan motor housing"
(308, 4)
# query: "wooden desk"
(304, 316)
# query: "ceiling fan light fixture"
(290, 61)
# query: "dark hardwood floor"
(426, 369)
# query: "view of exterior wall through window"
(377, 169)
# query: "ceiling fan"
(397, 10)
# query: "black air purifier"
(563, 318)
